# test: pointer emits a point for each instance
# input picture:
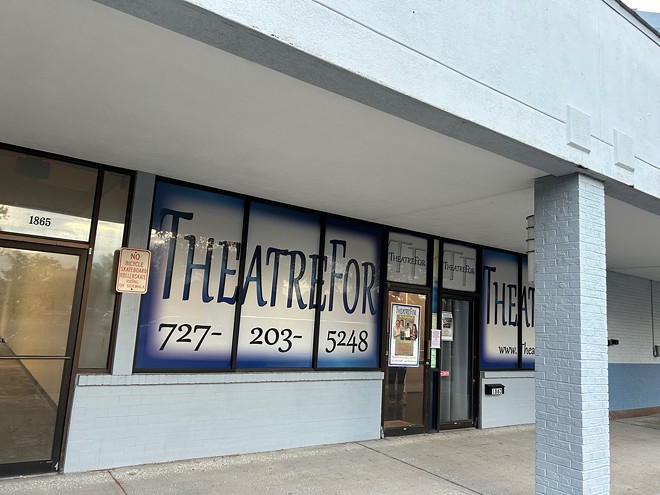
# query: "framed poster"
(404, 332)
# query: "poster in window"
(404, 333)
(447, 326)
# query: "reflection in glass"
(37, 294)
(456, 388)
(283, 292)
(355, 319)
(97, 332)
(29, 397)
(45, 197)
(434, 298)
(404, 390)
(178, 297)
(37, 290)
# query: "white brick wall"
(572, 426)
(138, 419)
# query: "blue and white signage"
(528, 345)
(187, 315)
(499, 311)
(349, 332)
(407, 258)
(459, 267)
(277, 316)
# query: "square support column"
(572, 401)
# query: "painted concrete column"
(129, 309)
(572, 403)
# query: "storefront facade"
(261, 326)
(62, 221)
(335, 213)
(312, 300)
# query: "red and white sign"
(133, 270)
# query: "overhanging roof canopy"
(84, 80)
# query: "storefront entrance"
(429, 373)
(406, 371)
(41, 289)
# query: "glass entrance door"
(39, 304)
(455, 397)
(404, 404)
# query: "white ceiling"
(83, 80)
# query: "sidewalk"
(498, 461)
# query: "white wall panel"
(126, 420)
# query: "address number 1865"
(37, 220)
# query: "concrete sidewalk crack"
(118, 483)
(469, 490)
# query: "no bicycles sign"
(133, 270)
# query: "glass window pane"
(499, 310)
(45, 197)
(404, 390)
(459, 267)
(277, 318)
(436, 283)
(187, 314)
(456, 376)
(37, 291)
(29, 397)
(406, 258)
(97, 330)
(527, 320)
(349, 334)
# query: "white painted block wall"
(475, 63)
(633, 316)
(515, 407)
(629, 318)
(138, 419)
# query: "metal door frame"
(40, 466)
(473, 358)
(419, 290)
